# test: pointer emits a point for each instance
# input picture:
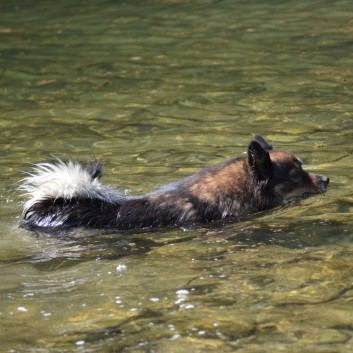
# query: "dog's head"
(282, 172)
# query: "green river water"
(157, 90)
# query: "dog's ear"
(259, 161)
(264, 144)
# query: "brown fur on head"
(282, 172)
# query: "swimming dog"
(70, 194)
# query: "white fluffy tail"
(66, 180)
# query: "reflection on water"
(158, 90)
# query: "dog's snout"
(324, 179)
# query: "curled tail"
(68, 194)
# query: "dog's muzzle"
(324, 181)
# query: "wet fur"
(65, 195)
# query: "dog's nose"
(324, 179)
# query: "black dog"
(69, 194)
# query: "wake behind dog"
(65, 195)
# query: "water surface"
(158, 90)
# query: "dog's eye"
(294, 174)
